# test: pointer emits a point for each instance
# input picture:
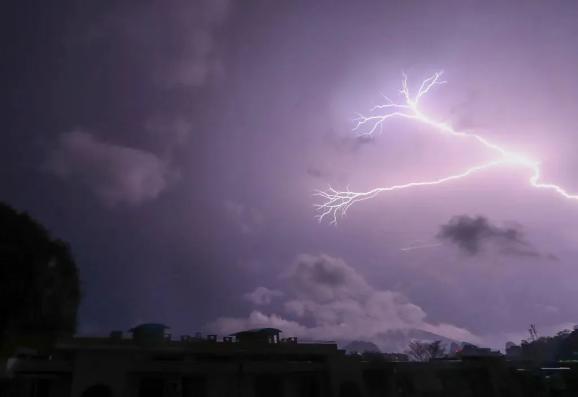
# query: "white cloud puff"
(329, 300)
(262, 295)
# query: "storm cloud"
(176, 37)
(473, 234)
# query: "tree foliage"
(39, 284)
(562, 346)
(425, 351)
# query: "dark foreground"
(262, 365)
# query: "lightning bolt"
(336, 203)
(418, 245)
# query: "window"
(151, 387)
(349, 389)
(98, 391)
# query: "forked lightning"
(336, 203)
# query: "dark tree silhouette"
(568, 346)
(562, 346)
(424, 351)
(39, 284)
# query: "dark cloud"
(352, 143)
(175, 37)
(171, 133)
(472, 234)
(247, 219)
(316, 172)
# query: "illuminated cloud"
(116, 174)
(335, 203)
(327, 299)
(262, 295)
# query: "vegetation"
(39, 284)
(425, 351)
(562, 346)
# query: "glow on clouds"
(336, 203)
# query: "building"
(148, 362)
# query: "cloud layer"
(176, 38)
(262, 296)
(116, 174)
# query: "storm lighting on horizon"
(336, 203)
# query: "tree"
(567, 348)
(425, 351)
(39, 284)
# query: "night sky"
(176, 145)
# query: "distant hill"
(359, 346)
(394, 341)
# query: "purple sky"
(176, 145)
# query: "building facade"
(259, 363)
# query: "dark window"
(479, 381)
(97, 391)
(376, 382)
(309, 386)
(43, 387)
(349, 389)
(194, 386)
(268, 385)
(168, 357)
(151, 387)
